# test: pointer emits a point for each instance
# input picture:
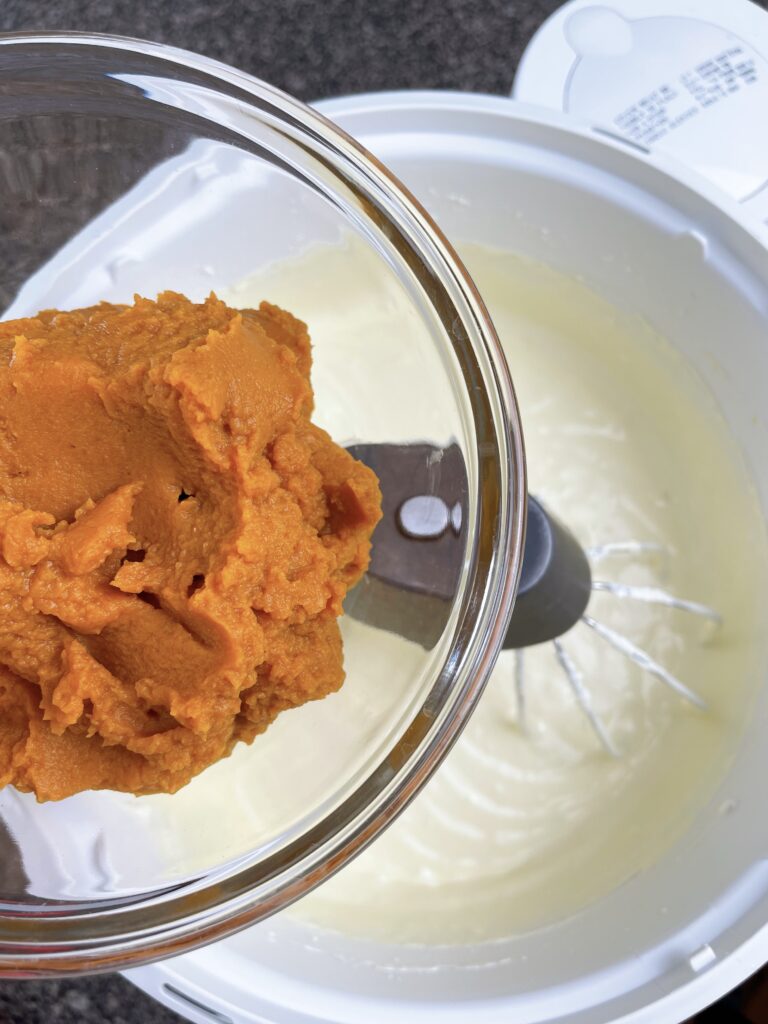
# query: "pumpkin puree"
(176, 540)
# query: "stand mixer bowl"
(659, 244)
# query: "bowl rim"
(88, 937)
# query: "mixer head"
(417, 555)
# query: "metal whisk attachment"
(416, 562)
(572, 560)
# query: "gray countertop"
(313, 49)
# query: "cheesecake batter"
(522, 828)
(176, 540)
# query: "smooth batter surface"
(176, 539)
(517, 831)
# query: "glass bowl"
(132, 167)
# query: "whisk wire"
(520, 690)
(625, 547)
(581, 693)
(643, 660)
(655, 595)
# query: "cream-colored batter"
(513, 832)
(623, 443)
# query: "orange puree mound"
(176, 540)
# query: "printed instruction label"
(710, 82)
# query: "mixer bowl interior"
(692, 926)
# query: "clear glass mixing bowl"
(125, 167)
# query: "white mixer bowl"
(654, 240)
